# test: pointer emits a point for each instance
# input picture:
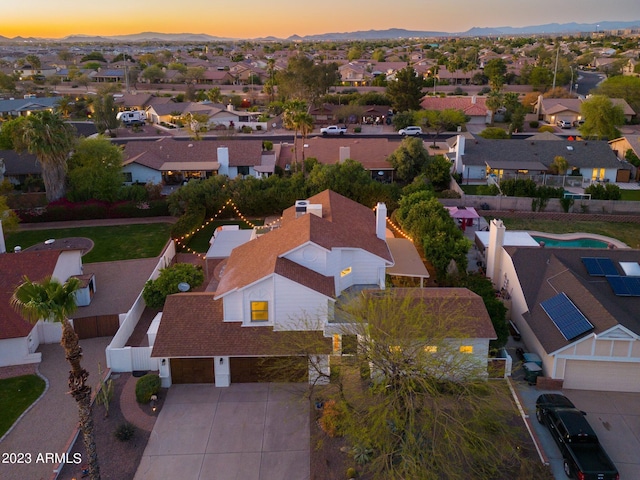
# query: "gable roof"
(471, 106)
(192, 326)
(545, 272)
(344, 224)
(581, 154)
(169, 151)
(36, 266)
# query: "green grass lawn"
(628, 233)
(200, 241)
(630, 195)
(16, 394)
(122, 242)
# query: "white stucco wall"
(69, 263)
(142, 174)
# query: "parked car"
(578, 123)
(333, 130)
(584, 458)
(563, 124)
(412, 131)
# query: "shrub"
(268, 145)
(188, 222)
(534, 124)
(125, 431)
(351, 473)
(246, 129)
(330, 422)
(146, 386)
(547, 128)
(357, 129)
(156, 291)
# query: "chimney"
(223, 160)
(381, 221)
(473, 99)
(3, 246)
(460, 144)
(345, 152)
(494, 250)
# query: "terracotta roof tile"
(13, 266)
(192, 326)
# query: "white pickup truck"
(333, 130)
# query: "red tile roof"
(344, 223)
(465, 104)
(192, 326)
(459, 309)
(13, 266)
(155, 154)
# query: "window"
(466, 349)
(345, 272)
(259, 311)
(243, 170)
(431, 348)
(128, 177)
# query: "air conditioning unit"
(301, 207)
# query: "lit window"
(337, 343)
(431, 349)
(466, 349)
(345, 272)
(259, 311)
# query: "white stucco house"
(20, 339)
(279, 285)
(576, 308)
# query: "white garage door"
(607, 376)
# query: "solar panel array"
(625, 286)
(566, 316)
(599, 267)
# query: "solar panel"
(566, 316)
(624, 286)
(599, 267)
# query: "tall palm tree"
(304, 122)
(290, 116)
(46, 135)
(55, 301)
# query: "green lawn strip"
(630, 195)
(16, 394)
(121, 242)
(200, 241)
(628, 233)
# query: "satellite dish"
(184, 287)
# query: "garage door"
(268, 369)
(192, 370)
(607, 376)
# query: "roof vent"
(570, 147)
(17, 249)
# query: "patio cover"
(463, 212)
(514, 165)
(190, 166)
(407, 260)
(226, 240)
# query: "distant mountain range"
(392, 33)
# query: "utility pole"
(555, 71)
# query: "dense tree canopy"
(601, 118)
(95, 171)
(405, 91)
(305, 80)
(409, 159)
(625, 87)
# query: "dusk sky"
(282, 18)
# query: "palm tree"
(304, 122)
(55, 301)
(46, 135)
(290, 116)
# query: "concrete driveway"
(253, 431)
(614, 416)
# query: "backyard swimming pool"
(573, 243)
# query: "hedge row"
(188, 222)
(67, 211)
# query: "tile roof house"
(172, 161)
(477, 158)
(473, 107)
(20, 339)
(282, 285)
(569, 109)
(591, 340)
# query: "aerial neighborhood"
(319, 259)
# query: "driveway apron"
(253, 431)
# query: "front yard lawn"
(16, 395)
(630, 195)
(121, 242)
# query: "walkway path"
(48, 426)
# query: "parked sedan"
(563, 124)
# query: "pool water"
(575, 243)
